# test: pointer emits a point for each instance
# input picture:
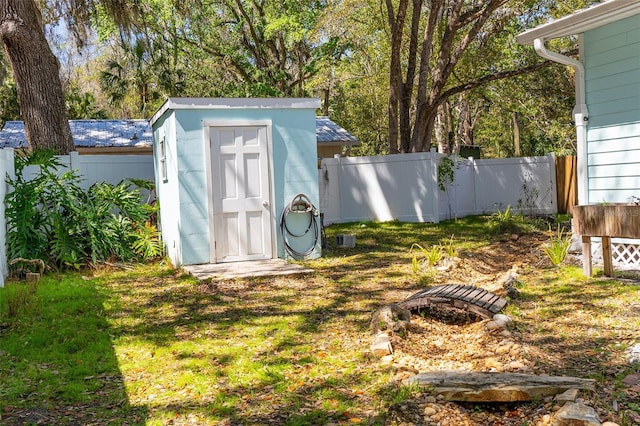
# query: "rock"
(513, 293)
(632, 380)
(634, 353)
(429, 411)
(569, 395)
(493, 364)
(492, 325)
(610, 424)
(504, 348)
(382, 345)
(515, 365)
(391, 317)
(503, 320)
(576, 414)
(386, 360)
(496, 387)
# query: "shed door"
(242, 215)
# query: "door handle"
(265, 204)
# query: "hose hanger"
(300, 204)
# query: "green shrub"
(50, 217)
(505, 222)
(558, 246)
(431, 257)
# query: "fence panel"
(527, 184)
(6, 170)
(405, 187)
(103, 168)
(379, 188)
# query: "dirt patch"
(451, 339)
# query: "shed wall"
(612, 74)
(167, 189)
(294, 156)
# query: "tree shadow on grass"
(57, 360)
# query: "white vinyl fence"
(105, 168)
(405, 187)
(93, 168)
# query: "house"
(237, 178)
(110, 137)
(607, 110)
(103, 137)
(106, 150)
(332, 138)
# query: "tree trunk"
(396, 25)
(36, 72)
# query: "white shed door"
(242, 218)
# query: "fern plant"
(50, 217)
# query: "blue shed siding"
(167, 190)
(612, 77)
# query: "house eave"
(581, 21)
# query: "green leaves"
(50, 217)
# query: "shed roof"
(234, 103)
(328, 132)
(89, 134)
(582, 20)
(138, 133)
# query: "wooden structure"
(474, 299)
(605, 221)
(566, 183)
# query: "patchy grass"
(155, 346)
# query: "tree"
(36, 69)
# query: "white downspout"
(580, 113)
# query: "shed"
(228, 171)
(607, 111)
(332, 138)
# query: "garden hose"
(300, 204)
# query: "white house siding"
(612, 73)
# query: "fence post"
(74, 160)
(435, 199)
(554, 182)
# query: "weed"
(19, 299)
(504, 222)
(397, 394)
(449, 248)
(558, 246)
(431, 256)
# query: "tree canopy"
(402, 75)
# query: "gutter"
(580, 112)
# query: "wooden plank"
(606, 256)
(566, 183)
(586, 256)
(496, 387)
(471, 298)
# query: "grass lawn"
(152, 345)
